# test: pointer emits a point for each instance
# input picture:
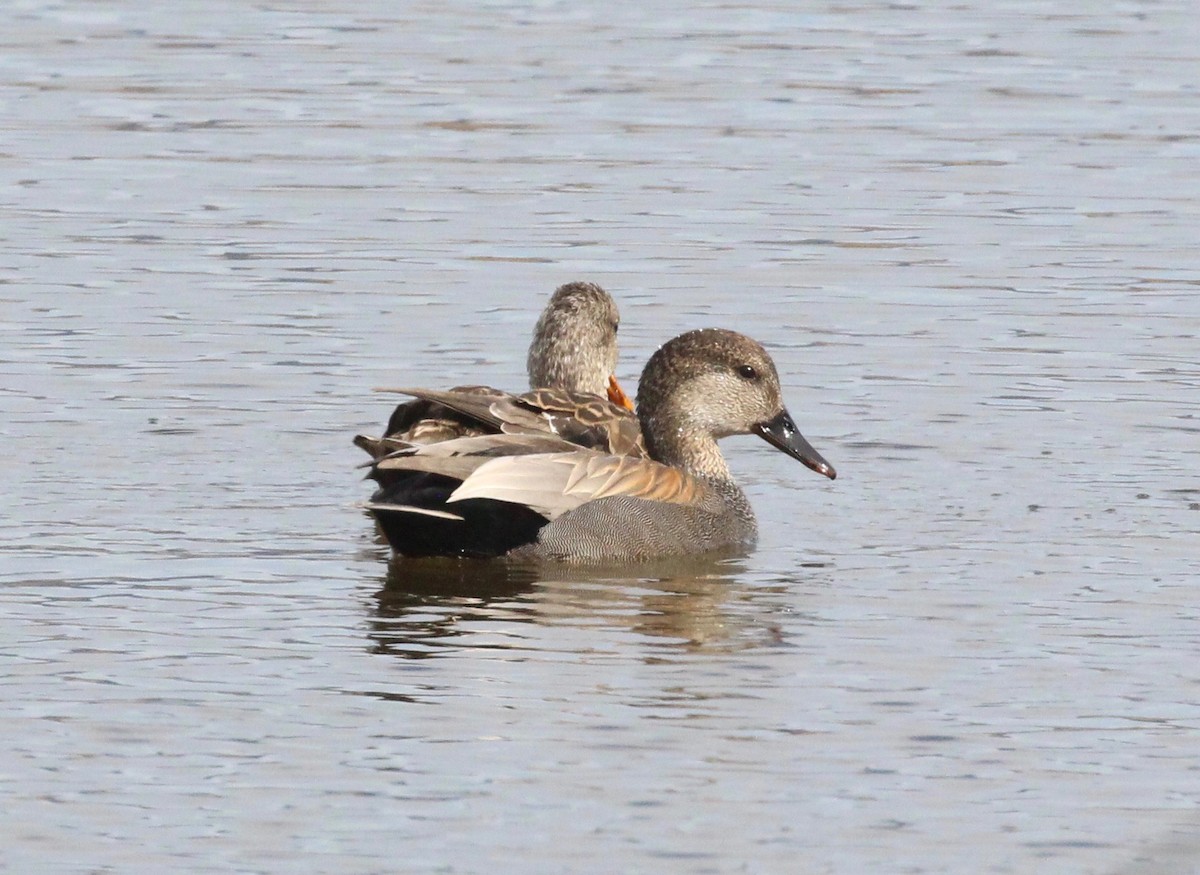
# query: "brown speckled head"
(575, 341)
(709, 384)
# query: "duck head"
(575, 343)
(711, 383)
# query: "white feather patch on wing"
(408, 508)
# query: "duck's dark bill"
(781, 432)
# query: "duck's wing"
(457, 458)
(584, 419)
(425, 421)
(553, 484)
(591, 421)
(481, 447)
(474, 404)
(435, 425)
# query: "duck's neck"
(695, 451)
(689, 449)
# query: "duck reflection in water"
(441, 607)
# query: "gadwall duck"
(570, 364)
(540, 496)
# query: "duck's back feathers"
(554, 484)
(586, 420)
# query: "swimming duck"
(538, 495)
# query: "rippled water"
(967, 233)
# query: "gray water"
(968, 235)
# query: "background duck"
(571, 364)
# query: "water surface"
(968, 237)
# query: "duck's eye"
(747, 372)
